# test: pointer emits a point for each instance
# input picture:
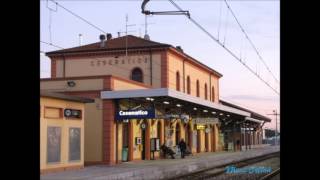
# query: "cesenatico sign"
(135, 114)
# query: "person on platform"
(183, 147)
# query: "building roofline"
(65, 97)
(195, 61)
(253, 114)
(146, 47)
(59, 52)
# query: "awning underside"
(186, 101)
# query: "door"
(143, 136)
(198, 141)
(206, 141)
(177, 133)
(125, 141)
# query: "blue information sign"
(135, 114)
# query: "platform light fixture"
(221, 114)
(166, 102)
(149, 99)
(195, 108)
(205, 110)
(213, 112)
(178, 105)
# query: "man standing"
(182, 146)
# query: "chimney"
(118, 34)
(109, 36)
(147, 37)
(80, 39)
(102, 38)
(179, 49)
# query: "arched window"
(205, 91)
(137, 75)
(212, 95)
(188, 85)
(198, 88)
(178, 81)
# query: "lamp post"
(275, 133)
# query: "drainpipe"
(210, 88)
(64, 65)
(150, 54)
(117, 129)
(183, 77)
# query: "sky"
(260, 19)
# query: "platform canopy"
(172, 99)
(253, 120)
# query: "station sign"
(135, 114)
(143, 126)
(185, 118)
(207, 130)
(205, 120)
(171, 116)
(201, 127)
(72, 113)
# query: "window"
(53, 112)
(188, 85)
(205, 91)
(178, 81)
(198, 87)
(53, 144)
(74, 144)
(212, 94)
(137, 75)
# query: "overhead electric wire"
(50, 22)
(251, 43)
(51, 44)
(76, 15)
(219, 20)
(192, 20)
(226, 29)
(229, 51)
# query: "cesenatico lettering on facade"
(119, 61)
(135, 114)
(126, 113)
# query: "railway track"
(216, 171)
(271, 175)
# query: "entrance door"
(143, 136)
(177, 133)
(188, 136)
(213, 139)
(206, 141)
(125, 141)
(198, 141)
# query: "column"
(108, 132)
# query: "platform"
(159, 169)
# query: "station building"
(61, 132)
(147, 94)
